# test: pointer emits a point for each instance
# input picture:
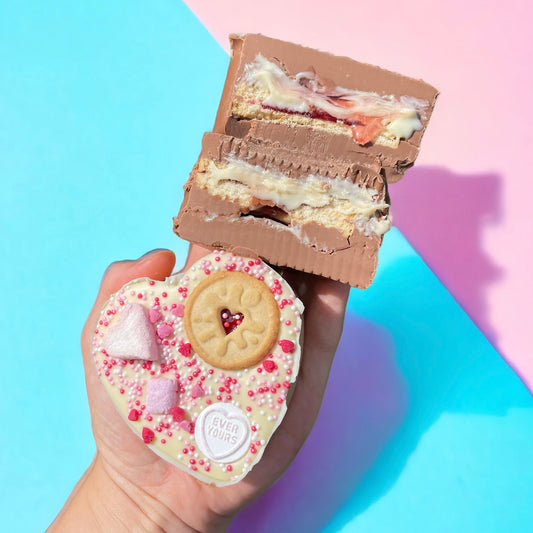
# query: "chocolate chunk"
(297, 167)
(340, 71)
(217, 222)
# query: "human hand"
(128, 487)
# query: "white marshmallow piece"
(132, 337)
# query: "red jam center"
(230, 320)
(364, 128)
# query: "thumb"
(157, 265)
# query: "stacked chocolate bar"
(296, 169)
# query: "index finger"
(156, 265)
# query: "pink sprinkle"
(148, 435)
(133, 415)
(164, 330)
(286, 345)
(154, 315)
(178, 310)
(197, 391)
(187, 426)
(185, 349)
(177, 413)
(269, 365)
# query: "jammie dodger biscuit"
(245, 337)
(200, 365)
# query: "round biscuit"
(249, 342)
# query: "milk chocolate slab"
(335, 81)
(315, 213)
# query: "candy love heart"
(226, 415)
(222, 432)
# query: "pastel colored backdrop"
(424, 427)
(463, 205)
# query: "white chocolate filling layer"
(268, 86)
(335, 203)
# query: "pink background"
(463, 207)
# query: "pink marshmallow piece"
(154, 315)
(132, 337)
(179, 310)
(161, 395)
(164, 331)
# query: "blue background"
(102, 108)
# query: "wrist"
(104, 502)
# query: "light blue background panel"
(102, 109)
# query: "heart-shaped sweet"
(222, 432)
(230, 320)
(212, 422)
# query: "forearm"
(100, 503)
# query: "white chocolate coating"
(256, 395)
(279, 91)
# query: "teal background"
(102, 108)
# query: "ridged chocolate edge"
(216, 223)
(294, 164)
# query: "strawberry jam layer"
(368, 114)
(364, 128)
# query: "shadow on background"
(380, 401)
(444, 214)
(365, 403)
(408, 355)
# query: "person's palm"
(161, 489)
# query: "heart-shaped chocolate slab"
(210, 421)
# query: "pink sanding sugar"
(161, 395)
